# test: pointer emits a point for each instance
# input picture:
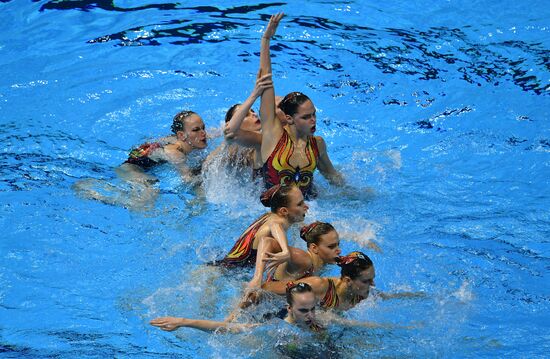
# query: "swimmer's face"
(362, 284)
(297, 207)
(328, 248)
(195, 133)
(251, 122)
(305, 118)
(303, 308)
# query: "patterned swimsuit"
(278, 170)
(140, 156)
(331, 300)
(242, 254)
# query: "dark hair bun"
(267, 196)
(305, 230)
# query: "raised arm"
(266, 258)
(262, 83)
(271, 126)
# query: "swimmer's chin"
(202, 144)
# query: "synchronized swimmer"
(281, 148)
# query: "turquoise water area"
(436, 112)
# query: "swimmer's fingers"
(263, 78)
(279, 256)
(271, 266)
(265, 81)
(166, 323)
(272, 25)
(250, 297)
(273, 260)
(227, 133)
(262, 83)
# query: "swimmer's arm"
(244, 138)
(275, 259)
(211, 156)
(271, 126)
(133, 173)
(186, 174)
(172, 323)
(332, 317)
(400, 295)
(262, 83)
(325, 165)
(173, 157)
(296, 266)
(275, 287)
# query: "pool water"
(436, 114)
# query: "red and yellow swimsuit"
(278, 170)
(140, 156)
(331, 300)
(242, 253)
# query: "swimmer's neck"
(283, 220)
(290, 320)
(316, 261)
(295, 135)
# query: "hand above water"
(272, 25)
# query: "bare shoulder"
(318, 284)
(321, 145)
(169, 153)
(300, 258)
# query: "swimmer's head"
(301, 302)
(358, 270)
(230, 112)
(290, 103)
(178, 124)
(287, 201)
(323, 240)
(189, 127)
(250, 123)
(300, 111)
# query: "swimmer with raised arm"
(242, 133)
(301, 304)
(291, 153)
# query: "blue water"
(436, 113)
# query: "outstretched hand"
(167, 323)
(272, 25)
